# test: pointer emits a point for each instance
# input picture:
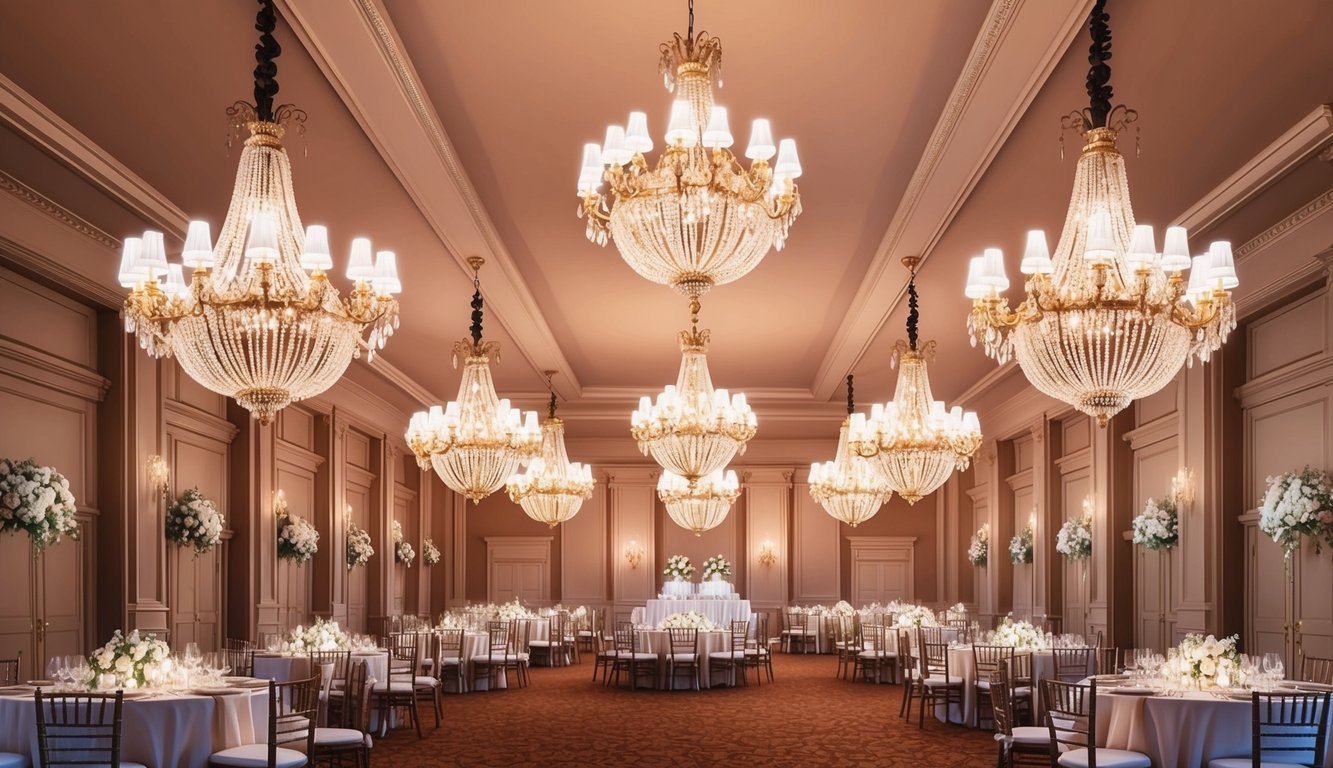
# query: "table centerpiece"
(128, 661)
(1204, 662)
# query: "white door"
(518, 579)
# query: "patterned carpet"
(806, 717)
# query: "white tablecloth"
(1177, 731)
(285, 669)
(658, 641)
(160, 732)
(720, 612)
(962, 664)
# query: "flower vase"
(716, 577)
(678, 579)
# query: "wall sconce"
(1182, 486)
(279, 503)
(768, 554)
(159, 474)
(1087, 505)
(634, 553)
(1032, 519)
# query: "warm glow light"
(768, 554)
(1182, 486)
(634, 553)
(159, 474)
(551, 488)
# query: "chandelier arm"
(1099, 73)
(266, 69)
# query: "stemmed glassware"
(1273, 668)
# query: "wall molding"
(42, 367)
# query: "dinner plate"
(40, 683)
(1237, 695)
(251, 682)
(136, 693)
(17, 690)
(1127, 691)
(242, 680)
(1109, 678)
(1302, 685)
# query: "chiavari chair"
(684, 654)
(1018, 744)
(1317, 670)
(732, 660)
(1286, 729)
(79, 729)
(1071, 722)
(292, 710)
(348, 736)
(939, 687)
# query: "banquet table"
(285, 668)
(158, 730)
(1179, 731)
(720, 612)
(658, 641)
(962, 664)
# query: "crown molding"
(1015, 52)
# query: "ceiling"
(448, 128)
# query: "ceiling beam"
(355, 45)
(1018, 46)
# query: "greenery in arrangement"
(430, 554)
(359, 547)
(194, 521)
(1074, 540)
(1020, 547)
(36, 500)
(1156, 527)
(978, 551)
(298, 541)
(1297, 505)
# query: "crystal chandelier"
(691, 429)
(698, 218)
(700, 505)
(918, 442)
(477, 441)
(552, 488)
(851, 488)
(1108, 319)
(264, 326)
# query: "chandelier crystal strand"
(918, 442)
(1107, 319)
(701, 505)
(476, 442)
(850, 488)
(691, 429)
(551, 488)
(259, 321)
(698, 218)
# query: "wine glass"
(1272, 666)
(192, 655)
(1132, 661)
(53, 669)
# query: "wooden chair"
(79, 729)
(847, 642)
(425, 684)
(449, 664)
(1071, 721)
(292, 710)
(348, 737)
(546, 651)
(986, 659)
(1108, 660)
(796, 632)
(684, 654)
(1313, 670)
(568, 647)
(520, 654)
(605, 653)
(490, 664)
(875, 655)
(1286, 729)
(400, 690)
(939, 687)
(910, 667)
(10, 669)
(759, 654)
(732, 660)
(1072, 664)
(1018, 744)
(629, 658)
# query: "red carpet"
(806, 717)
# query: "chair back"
(448, 644)
(336, 661)
(78, 728)
(520, 632)
(403, 657)
(1072, 664)
(1071, 716)
(1289, 727)
(684, 641)
(740, 636)
(761, 631)
(497, 643)
(1001, 700)
(797, 621)
(236, 644)
(1108, 660)
(624, 639)
(293, 711)
(356, 699)
(934, 657)
(931, 634)
(9, 669)
(1313, 670)
(988, 658)
(908, 656)
(875, 638)
(556, 628)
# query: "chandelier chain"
(690, 32)
(266, 68)
(913, 312)
(851, 401)
(477, 306)
(1099, 73)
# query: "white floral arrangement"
(320, 636)
(123, 661)
(298, 540)
(511, 611)
(717, 564)
(686, 620)
(1074, 540)
(956, 611)
(359, 547)
(402, 551)
(194, 521)
(430, 554)
(1020, 547)
(910, 615)
(1210, 661)
(1156, 527)
(1018, 634)
(453, 621)
(978, 550)
(1298, 504)
(842, 608)
(36, 500)
(678, 567)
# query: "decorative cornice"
(50, 371)
(1292, 221)
(56, 211)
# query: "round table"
(286, 668)
(158, 730)
(962, 664)
(658, 641)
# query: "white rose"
(123, 664)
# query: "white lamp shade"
(680, 128)
(590, 175)
(1175, 250)
(976, 288)
(614, 151)
(360, 267)
(1099, 248)
(129, 272)
(1142, 247)
(262, 240)
(788, 165)
(386, 279)
(1222, 268)
(761, 145)
(636, 133)
(175, 286)
(718, 132)
(992, 270)
(1198, 284)
(153, 255)
(198, 246)
(1037, 255)
(315, 252)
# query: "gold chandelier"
(552, 488)
(701, 505)
(698, 218)
(264, 327)
(851, 488)
(477, 441)
(691, 429)
(918, 442)
(1108, 319)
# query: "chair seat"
(636, 656)
(938, 681)
(1106, 758)
(396, 687)
(725, 655)
(450, 661)
(1034, 734)
(422, 681)
(691, 657)
(340, 737)
(539, 643)
(12, 760)
(507, 658)
(1233, 762)
(255, 756)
